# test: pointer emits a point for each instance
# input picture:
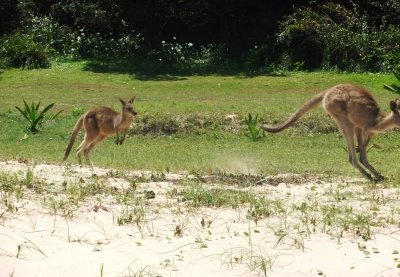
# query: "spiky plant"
(34, 115)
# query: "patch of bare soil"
(58, 220)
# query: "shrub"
(332, 35)
(84, 45)
(48, 32)
(19, 50)
(188, 58)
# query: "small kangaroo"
(100, 123)
(358, 116)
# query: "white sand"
(33, 242)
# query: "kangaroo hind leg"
(91, 133)
(363, 140)
(348, 131)
(89, 148)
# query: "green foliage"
(34, 116)
(49, 33)
(187, 58)
(85, 45)
(197, 37)
(19, 50)
(96, 16)
(77, 111)
(331, 35)
(254, 132)
(394, 87)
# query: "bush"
(187, 58)
(84, 45)
(48, 32)
(19, 50)
(332, 35)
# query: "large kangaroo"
(356, 113)
(100, 123)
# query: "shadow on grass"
(152, 71)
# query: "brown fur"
(100, 123)
(358, 116)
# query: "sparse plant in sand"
(199, 195)
(259, 208)
(59, 206)
(133, 213)
(26, 245)
(8, 202)
(10, 185)
(180, 227)
(255, 260)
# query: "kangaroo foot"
(379, 178)
(369, 176)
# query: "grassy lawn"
(304, 149)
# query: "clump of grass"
(59, 206)
(259, 208)
(133, 213)
(317, 123)
(255, 260)
(77, 111)
(197, 195)
(195, 123)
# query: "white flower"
(163, 41)
(190, 44)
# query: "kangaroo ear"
(393, 106)
(122, 101)
(132, 99)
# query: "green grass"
(300, 150)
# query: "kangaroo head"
(127, 107)
(395, 106)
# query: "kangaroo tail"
(78, 126)
(311, 104)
